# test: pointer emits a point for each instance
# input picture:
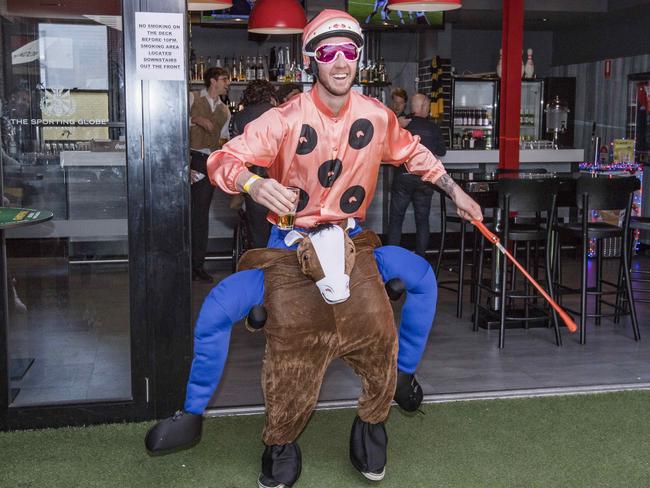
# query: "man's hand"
(203, 122)
(271, 194)
(403, 122)
(466, 207)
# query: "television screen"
(238, 13)
(375, 13)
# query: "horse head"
(326, 255)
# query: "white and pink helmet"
(330, 23)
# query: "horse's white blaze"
(329, 245)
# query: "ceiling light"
(277, 17)
(195, 5)
(424, 5)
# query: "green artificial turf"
(572, 441)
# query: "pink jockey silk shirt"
(333, 159)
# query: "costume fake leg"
(227, 303)
(420, 307)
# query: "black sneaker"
(408, 393)
(264, 482)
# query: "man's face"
(222, 83)
(337, 77)
(399, 104)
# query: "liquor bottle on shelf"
(201, 68)
(381, 70)
(208, 62)
(280, 65)
(217, 62)
(250, 71)
(273, 65)
(261, 72)
(241, 68)
(362, 74)
(235, 72)
(293, 71)
(375, 73)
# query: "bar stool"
(520, 195)
(636, 223)
(456, 285)
(602, 193)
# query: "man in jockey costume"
(330, 143)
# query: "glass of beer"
(285, 221)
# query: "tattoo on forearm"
(446, 184)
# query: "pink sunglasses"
(327, 53)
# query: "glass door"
(531, 111)
(67, 329)
(474, 114)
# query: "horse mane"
(321, 228)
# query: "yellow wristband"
(249, 182)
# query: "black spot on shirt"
(361, 134)
(329, 171)
(352, 199)
(303, 200)
(308, 140)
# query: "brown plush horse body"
(305, 333)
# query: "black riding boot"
(281, 466)
(368, 444)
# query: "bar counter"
(526, 156)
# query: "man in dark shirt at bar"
(409, 188)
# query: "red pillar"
(510, 100)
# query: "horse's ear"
(351, 224)
(292, 237)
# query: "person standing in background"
(407, 188)
(398, 98)
(287, 91)
(209, 118)
(258, 97)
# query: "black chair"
(520, 195)
(456, 285)
(641, 224)
(636, 275)
(601, 193)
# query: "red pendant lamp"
(197, 5)
(277, 17)
(424, 5)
